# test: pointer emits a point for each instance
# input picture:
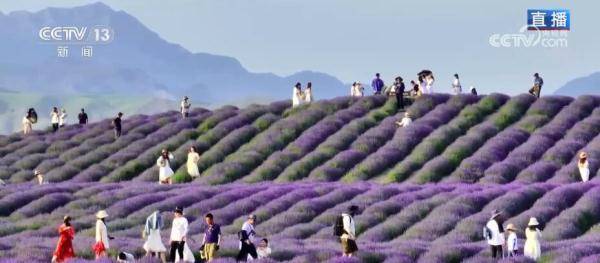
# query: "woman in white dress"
(164, 167)
(297, 95)
(154, 245)
(62, 118)
(456, 87)
(27, 125)
(192, 162)
(405, 121)
(532, 246)
(584, 167)
(102, 236)
(308, 97)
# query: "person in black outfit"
(83, 118)
(117, 125)
(399, 92)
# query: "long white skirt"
(188, 255)
(585, 174)
(164, 173)
(154, 242)
(192, 169)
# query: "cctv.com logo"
(530, 38)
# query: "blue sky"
(353, 39)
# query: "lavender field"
(424, 191)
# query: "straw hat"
(511, 227)
(36, 172)
(101, 214)
(582, 155)
(533, 222)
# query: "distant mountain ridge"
(581, 86)
(137, 63)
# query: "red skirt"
(98, 248)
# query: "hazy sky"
(353, 39)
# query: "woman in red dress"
(64, 248)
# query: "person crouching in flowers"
(64, 248)
(102, 237)
(533, 235)
(405, 121)
(263, 250)
(154, 245)
(584, 167)
(511, 241)
(164, 167)
(192, 162)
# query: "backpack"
(487, 233)
(338, 227)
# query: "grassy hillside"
(424, 191)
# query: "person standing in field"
(117, 125)
(456, 87)
(179, 230)
(64, 249)
(533, 234)
(102, 237)
(493, 232)
(54, 119)
(83, 117)
(246, 237)
(377, 84)
(348, 236)
(357, 90)
(185, 107)
(212, 238)
(154, 245)
(192, 162)
(538, 82)
(297, 95)
(584, 167)
(39, 176)
(511, 241)
(164, 167)
(62, 120)
(398, 91)
(27, 124)
(308, 96)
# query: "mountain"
(581, 86)
(137, 64)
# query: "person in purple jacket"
(377, 84)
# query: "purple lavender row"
(576, 220)
(563, 151)
(452, 127)
(276, 137)
(334, 144)
(444, 164)
(540, 141)
(311, 138)
(497, 148)
(442, 110)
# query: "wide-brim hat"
(582, 155)
(495, 213)
(36, 172)
(185, 97)
(533, 222)
(511, 227)
(101, 214)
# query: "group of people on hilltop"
(58, 119)
(499, 237)
(179, 248)
(300, 96)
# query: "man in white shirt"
(494, 234)
(179, 230)
(348, 238)
(456, 87)
(405, 121)
(185, 107)
(246, 236)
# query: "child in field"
(511, 241)
(263, 250)
(533, 234)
